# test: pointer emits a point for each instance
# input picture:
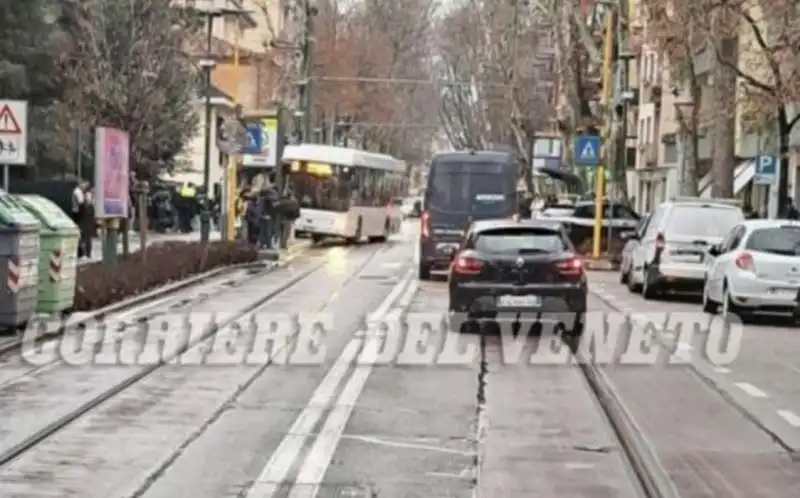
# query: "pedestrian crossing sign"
(586, 150)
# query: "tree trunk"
(723, 159)
(784, 197)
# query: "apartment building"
(252, 84)
(658, 161)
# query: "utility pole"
(304, 85)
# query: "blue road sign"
(766, 167)
(586, 150)
(255, 132)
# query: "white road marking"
(751, 389)
(722, 370)
(321, 453)
(285, 455)
(790, 417)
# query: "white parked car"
(669, 250)
(755, 268)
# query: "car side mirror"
(715, 250)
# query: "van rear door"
(460, 193)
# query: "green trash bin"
(19, 262)
(58, 254)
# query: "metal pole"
(228, 204)
(78, 155)
(774, 205)
(608, 56)
(205, 221)
(6, 177)
(307, 101)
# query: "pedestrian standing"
(87, 225)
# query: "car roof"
(470, 156)
(483, 225)
(757, 224)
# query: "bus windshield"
(317, 187)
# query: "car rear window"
(777, 240)
(703, 220)
(521, 240)
(479, 188)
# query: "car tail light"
(424, 227)
(660, 241)
(571, 267)
(745, 262)
(467, 266)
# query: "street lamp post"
(685, 143)
(207, 65)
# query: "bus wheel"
(357, 238)
(386, 231)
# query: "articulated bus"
(345, 193)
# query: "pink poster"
(112, 173)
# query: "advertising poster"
(111, 173)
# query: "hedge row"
(99, 285)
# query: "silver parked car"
(756, 268)
(673, 243)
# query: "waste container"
(19, 261)
(58, 254)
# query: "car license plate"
(519, 301)
(784, 291)
(446, 247)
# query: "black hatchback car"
(526, 267)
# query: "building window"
(670, 153)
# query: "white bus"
(344, 192)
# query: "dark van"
(463, 187)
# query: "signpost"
(13, 136)
(263, 146)
(233, 137)
(586, 150)
(111, 184)
(766, 167)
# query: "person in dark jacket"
(251, 218)
(267, 201)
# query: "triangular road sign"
(8, 123)
(588, 153)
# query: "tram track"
(30, 441)
(638, 452)
(649, 476)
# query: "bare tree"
(679, 36)
(500, 56)
(373, 67)
(125, 67)
(757, 44)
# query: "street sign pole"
(13, 137)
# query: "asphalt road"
(437, 421)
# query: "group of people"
(265, 212)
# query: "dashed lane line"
(787, 415)
(751, 389)
(790, 417)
